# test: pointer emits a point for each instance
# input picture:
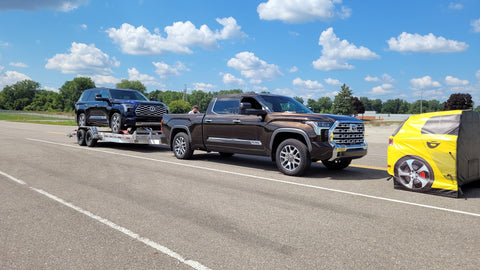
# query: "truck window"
(226, 106)
(443, 124)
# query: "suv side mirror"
(99, 97)
(246, 108)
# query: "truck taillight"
(390, 141)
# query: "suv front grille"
(150, 110)
(348, 133)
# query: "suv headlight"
(127, 107)
(319, 126)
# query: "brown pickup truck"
(267, 125)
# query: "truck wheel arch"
(179, 128)
(282, 134)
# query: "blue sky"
(308, 48)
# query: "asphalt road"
(113, 206)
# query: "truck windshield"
(283, 104)
(129, 95)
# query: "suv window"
(442, 124)
(91, 96)
(84, 96)
(226, 106)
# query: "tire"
(224, 154)
(89, 139)
(414, 173)
(181, 146)
(116, 122)
(81, 137)
(81, 120)
(292, 157)
(336, 165)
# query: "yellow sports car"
(435, 152)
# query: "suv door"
(97, 112)
(226, 130)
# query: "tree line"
(27, 95)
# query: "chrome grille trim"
(150, 110)
(348, 133)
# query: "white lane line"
(146, 241)
(269, 179)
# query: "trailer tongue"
(89, 136)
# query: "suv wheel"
(81, 120)
(181, 146)
(414, 173)
(292, 157)
(338, 164)
(116, 122)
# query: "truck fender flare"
(182, 128)
(291, 130)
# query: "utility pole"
(185, 93)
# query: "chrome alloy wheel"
(414, 173)
(290, 157)
(179, 146)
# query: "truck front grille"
(348, 133)
(150, 110)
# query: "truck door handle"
(208, 120)
(236, 121)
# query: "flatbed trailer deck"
(90, 135)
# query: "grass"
(48, 120)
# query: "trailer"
(90, 135)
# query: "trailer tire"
(81, 137)
(90, 141)
(181, 146)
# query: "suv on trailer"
(119, 109)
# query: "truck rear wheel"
(181, 146)
(336, 165)
(292, 157)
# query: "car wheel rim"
(414, 174)
(115, 122)
(81, 120)
(290, 157)
(180, 146)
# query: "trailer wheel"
(292, 157)
(90, 141)
(336, 165)
(181, 146)
(81, 137)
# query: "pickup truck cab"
(267, 125)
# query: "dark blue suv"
(119, 109)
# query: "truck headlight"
(320, 126)
(127, 107)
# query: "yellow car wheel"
(414, 173)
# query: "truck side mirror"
(99, 97)
(246, 108)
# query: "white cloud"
(385, 78)
(203, 86)
(258, 88)
(164, 70)
(180, 37)
(294, 11)
(452, 81)
(336, 52)
(53, 89)
(134, 75)
(383, 89)
(308, 84)
(424, 83)
(476, 74)
(83, 59)
(229, 79)
(11, 77)
(59, 5)
(334, 82)
(253, 68)
(371, 79)
(83, 26)
(103, 79)
(475, 25)
(293, 69)
(455, 6)
(407, 42)
(4, 44)
(19, 64)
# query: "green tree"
(46, 101)
(367, 103)
(200, 98)
(377, 105)
(358, 107)
(477, 109)
(179, 106)
(135, 85)
(343, 102)
(299, 99)
(395, 106)
(18, 95)
(71, 91)
(325, 104)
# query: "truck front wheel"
(292, 157)
(181, 146)
(338, 164)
